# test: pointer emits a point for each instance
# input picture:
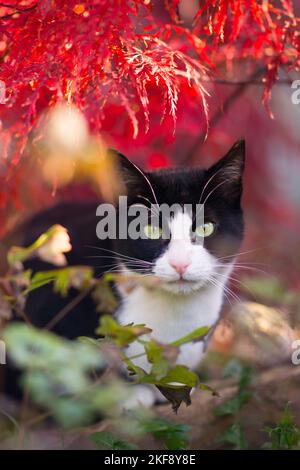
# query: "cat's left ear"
(226, 175)
(132, 179)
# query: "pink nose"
(180, 268)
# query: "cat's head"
(191, 256)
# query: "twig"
(219, 114)
(17, 10)
(65, 310)
(22, 314)
(223, 81)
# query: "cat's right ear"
(130, 176)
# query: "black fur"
(185, 186)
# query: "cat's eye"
(205, 230)
(152, 231)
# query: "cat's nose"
(180, 268)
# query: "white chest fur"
(171, 317)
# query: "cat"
(192, 275)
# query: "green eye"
(205, 230)
(152, 231)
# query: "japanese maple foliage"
(129, 65)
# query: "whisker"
(119, 259)
(147, 180)
(234, 279)
(242, 253)
(212, 281)
(233, 294)
(213, 190)
(207, 183)
(119, 255)
(148, 200)
(150, 209)
(227, 289)
(249, 268)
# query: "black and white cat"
(192, 275)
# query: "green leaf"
(40, 279)
(78, 277)
(234, 405)
(180, 375)
(106, 440)
(193, 336)
(161, 356)
(176, 395)
(207, 388)
(285, 435)
(57, 374)
(122, 335)
(91, 341)
(270, 289)
(243, 374)
(139, 374)
(235, 436)
(34, 348)
(228, 408)
(104, 297)
(233, 369)
(173, 435)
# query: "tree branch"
(16, 10)
(241, 87)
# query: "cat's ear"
(226, 176)
(130, 175)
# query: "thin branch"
(16, 10)
(67, 309)
(221, 81)
(22, 314)
(220, 113)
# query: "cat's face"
(192, 256)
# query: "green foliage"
(265, 287)
(175, 381)
(174, 436)
(63, 279)
(57, 375)
(235, 436)
(207, 388)
(104, 296)
(8, 425)
(107, 441)
(180, 374)
(270, 289)
(175, 384)
(285, 435)
(62, 377)
(31, 347)
(122, 335)
(195, 335)
(157, 355)
(243, 374)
